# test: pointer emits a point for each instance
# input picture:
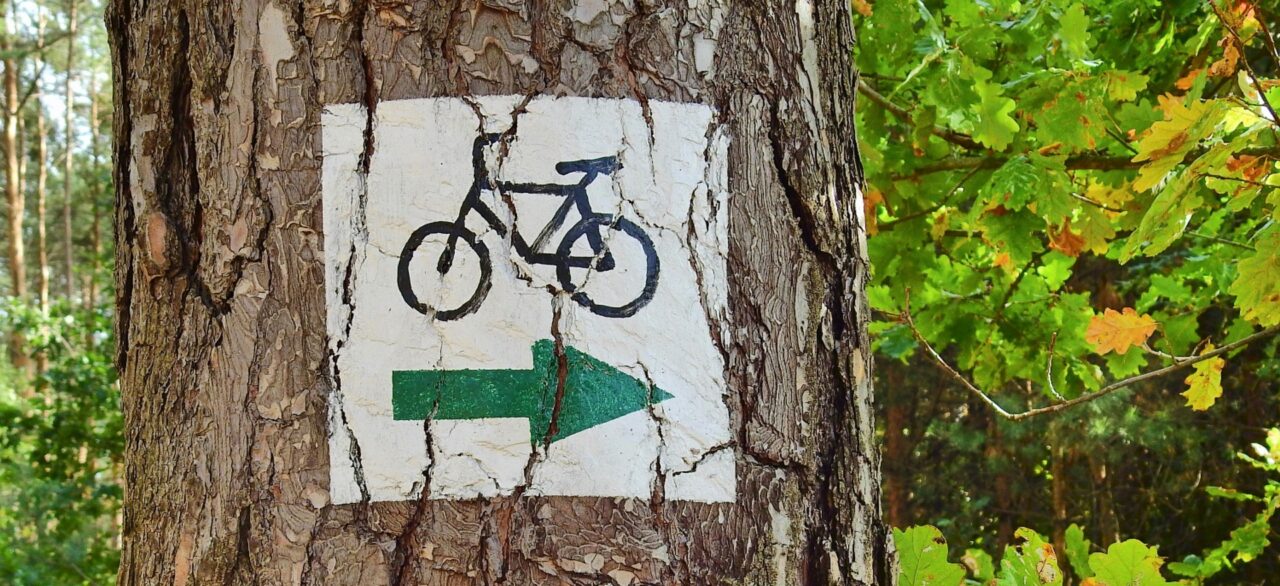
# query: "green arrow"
(594, 393)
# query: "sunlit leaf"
(1115, 331)
(1205, 383)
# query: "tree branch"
(1092, 161)
(1085, 398)
(951, 136)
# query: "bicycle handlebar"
(602, 165)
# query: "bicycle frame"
(575, 195)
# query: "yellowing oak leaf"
(1066, 241)
(941, 223)
(1096, 230)
(1257, 284)
(1205, 384)
(1169, 141)
(1226, 67)
(1116, 331)
(872, 199)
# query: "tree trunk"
(42, 241)
(95, 199)
(1058, 488)
(69, 156)
(897, 447)
(42, 183)
(13, 192)
(998, 468)
(236, 391)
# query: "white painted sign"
(497, 247)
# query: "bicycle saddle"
(605, 165)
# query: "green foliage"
(1257, 284)
(922, 558)
(60, 447)
(1128, 563)
(1034, 561)
(1083, 142)
(1035, 168)
(1030, 563)
(1077, 547)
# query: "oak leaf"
(1257, 284)
(1230, 61)
(995, 127)
(1204, 386)
(1169, 141)
(1116, 331)
(1066, 241)
(873, 199)
(1185, 82)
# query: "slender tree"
(95, 192)
(69, 152)
(14, 196)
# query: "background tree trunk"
(13, 190)
(95, 198)
(42, 184)
(69, 156)
(221, 305)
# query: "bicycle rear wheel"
(443, 266)
(623, 227)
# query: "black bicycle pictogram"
(590, 225)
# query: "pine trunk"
(13, 193)
(69, 156)
(42, 190)
(228, 372)
(95, 194)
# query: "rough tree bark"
(221, 304)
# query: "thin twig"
(1237, 179)
(1266, 32)
(1048, 368)
(1221, 240)
(1248, 69)
(1085, 398)
(1091, 161)
(922, 213)
(951, 136)
(1096, 204)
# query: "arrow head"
(595, 392)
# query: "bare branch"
(1092, 161)
(1085, 398)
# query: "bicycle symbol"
(590, 226)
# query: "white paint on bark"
(671, 187)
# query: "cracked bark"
(223, 356)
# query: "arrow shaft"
(465, 394)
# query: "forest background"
(1072, 211)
